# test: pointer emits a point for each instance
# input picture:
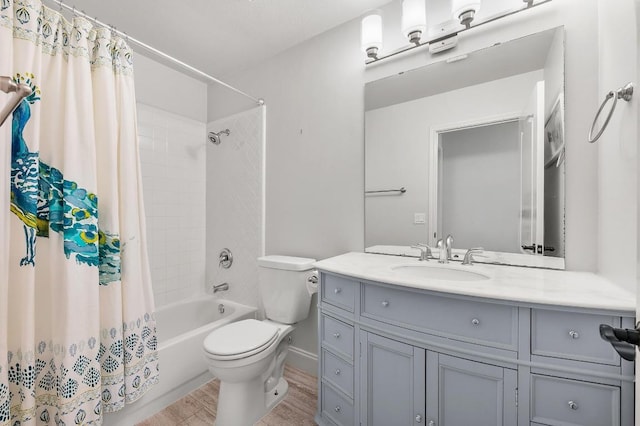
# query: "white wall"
(554, 73)
(617, 148)
(171, 132)
(397, 151)
(235, 204)
(315, 127)
(315, 169)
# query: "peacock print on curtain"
(77, 331)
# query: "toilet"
(248, 356)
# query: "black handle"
(623, 340)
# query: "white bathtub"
(182, 327)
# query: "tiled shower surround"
(173, 161)
(235, 203)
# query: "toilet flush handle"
(312, 283)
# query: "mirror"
(473, 147)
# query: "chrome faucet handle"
(468, 256)
(425, 251)
(449, 245)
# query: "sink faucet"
(442, 251)
(220, 287)
(468, 256)
(425, 251)
(448, 244)
(444, 247)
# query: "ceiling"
(221, 37)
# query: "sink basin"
(438, 273)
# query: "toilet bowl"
(248, 356)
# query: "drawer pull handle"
(574, 334)
(336, 335)
(385, 303)
(573, 405)
(338, 409)
(337, 290)
(475, 321)
(418, 418)
(337, 371)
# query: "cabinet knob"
(574, 334)
(338, 409)
(475, 321)
(337, 372)
(385, 303)
(337, 290)
(432, 423)
(573, 405)
(418, 418)
(336, 335)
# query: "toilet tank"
(283, 287)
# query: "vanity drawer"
(338, 372)
(562, 402)
(337, 336)
(339, 291)
(478, 322)
(571, 335)
(336, 407)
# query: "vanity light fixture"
(414, 26)
(465, 10)
(372, 34)
(414, 19)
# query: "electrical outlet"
(419, 218)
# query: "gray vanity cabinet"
(452, 391)
(393, 356)
(464, 392)
(392, 381)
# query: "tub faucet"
(220, 287)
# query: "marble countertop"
(518, 284)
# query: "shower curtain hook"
(75, 15)
(60, 3)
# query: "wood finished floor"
(199, 407)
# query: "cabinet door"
(462, 392)
(393, 382)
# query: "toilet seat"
(240, 339)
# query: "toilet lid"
(242, 338)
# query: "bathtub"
(182, 327)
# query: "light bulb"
(465, 10)
(372, 34)
(414, 19)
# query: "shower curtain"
(77, 332)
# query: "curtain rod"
(156, 51)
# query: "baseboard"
(303, 360)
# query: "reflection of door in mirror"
(532, 175)
(479, 186)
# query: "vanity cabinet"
(394, 355)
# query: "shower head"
(215, 137)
